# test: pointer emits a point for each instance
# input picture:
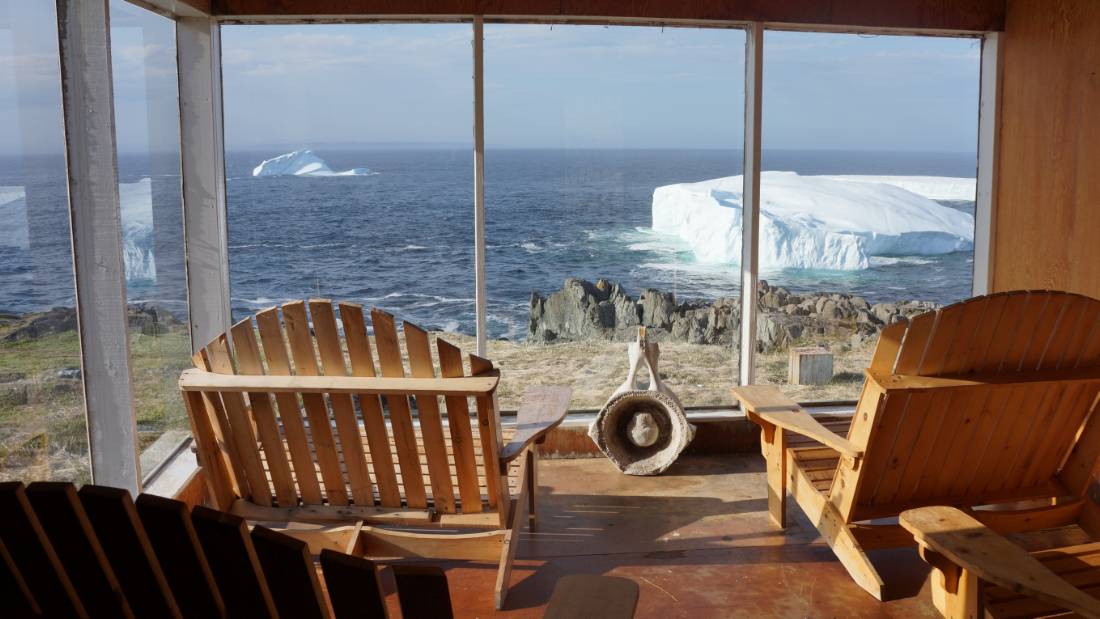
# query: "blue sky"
(561, 86)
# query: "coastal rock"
(582, 310)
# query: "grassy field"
(43, 433)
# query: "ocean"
(401, 238)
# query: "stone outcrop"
(147, 318)
(582, 310)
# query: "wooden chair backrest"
(254, 441)
(65, 553)
(1012, 434)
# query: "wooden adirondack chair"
(985, 401)
(978, 573)
(98, 553)
(338, 461)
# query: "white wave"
(531, 248)
(880, 261)
(413, 248)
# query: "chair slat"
(378, 438)
(389, 358)
(978, 350)
(462, 439)
(63, 519)
(343, 409)
(1033, 331)
(1050, 456)
(15, 596)
(977, 454)
(233, 562)
(965, 333)
(297, 441)
(885, 433)
(213, 454)
(223, 431)
(247, 353)
(115, 520)
(915, 343)
(353, 586)
(1009, 330)
(1068, 332)
(243, 435)
(290, 574)
(305, 364)
(488, 423)
(1011, 410)
(431, 424)
(423, 592)
(1089, 353)
(967, 407)
(1035, 428)
(914, 413)
(1048, 329)
(31, 549)
(167, 524)
(935, 355)
(889, 342)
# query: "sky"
(545, 87)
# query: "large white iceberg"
(302, 163)
(931, 187)
(811, 222)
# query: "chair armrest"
(474, 386)
(542, 408)
(969, 544)
(769, 405)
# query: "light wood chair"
(979, 573)
(316, 436)
(985, 401)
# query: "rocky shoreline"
(603, 310)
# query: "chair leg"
(517, 518)
(773, 443)
(532, 482)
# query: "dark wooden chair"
(97, 553)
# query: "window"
(598, 141)
(143, 56)
(348, 165)
(867, 198)
(43, 433)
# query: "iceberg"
(811, 222)
(302, 163)
(932, 187)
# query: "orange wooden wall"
(1046, 231)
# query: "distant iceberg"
(136, 201)
(302, 163)
(812, 222)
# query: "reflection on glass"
(867, 198)
(43, 434)
(143, 54)
(613, 202)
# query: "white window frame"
(102, 300)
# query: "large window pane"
(613, 202)
(349, 166)
(143, 51)
(867, 198)
(43, 433)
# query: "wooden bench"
(97, 553)
(296, 422)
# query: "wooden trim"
(935, 15)
(1036, 378)
(202, 166)
(985, 199)
(481, 312)
(750, 214)
(87, 97)
(474, 386)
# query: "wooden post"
(750, 213)
(87, 97)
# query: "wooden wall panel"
(1047, 219)
(968, 15)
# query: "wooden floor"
(697, 541)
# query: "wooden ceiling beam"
(915, 15)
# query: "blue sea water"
(402, 238)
